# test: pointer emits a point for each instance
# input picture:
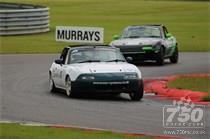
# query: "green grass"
(192, 83)
(187, 20)
(16, 131)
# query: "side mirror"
(59, 61)
(168, 35)
(115, 37)
(129, 59)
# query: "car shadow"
(94, 96)
(102, 97)
(152, 64)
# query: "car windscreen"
(142, 32)
(95, 55)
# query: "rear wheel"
(160, 57)
(137, 95)
(51, 84)
(175, 57)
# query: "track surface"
(25, 97)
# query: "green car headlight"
(148, 48)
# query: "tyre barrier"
(20, 19)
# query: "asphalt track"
(25, 97)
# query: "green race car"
(147, 42)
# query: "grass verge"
(16, 131)
(187, 20)
(192, 83)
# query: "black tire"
(69, 92)
(137, 95)
(52, 84)
(175, 57)
(160, 57)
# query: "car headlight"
(131, 76)
(87, 77)
(156, 47)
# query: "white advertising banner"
(80, 34)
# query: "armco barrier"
(17, 19)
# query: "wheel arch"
(164, 48)
(50, 72)
(67, 76)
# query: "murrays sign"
(80, 34)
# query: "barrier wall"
(17, 19)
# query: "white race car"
(95, 69)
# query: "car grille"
(132, 48)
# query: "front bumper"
(107, 84)
(147, 52)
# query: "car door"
(60, 69)
(169, 42)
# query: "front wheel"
(69, 91)
(160, 57)
(137, 95)
(175, 57)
